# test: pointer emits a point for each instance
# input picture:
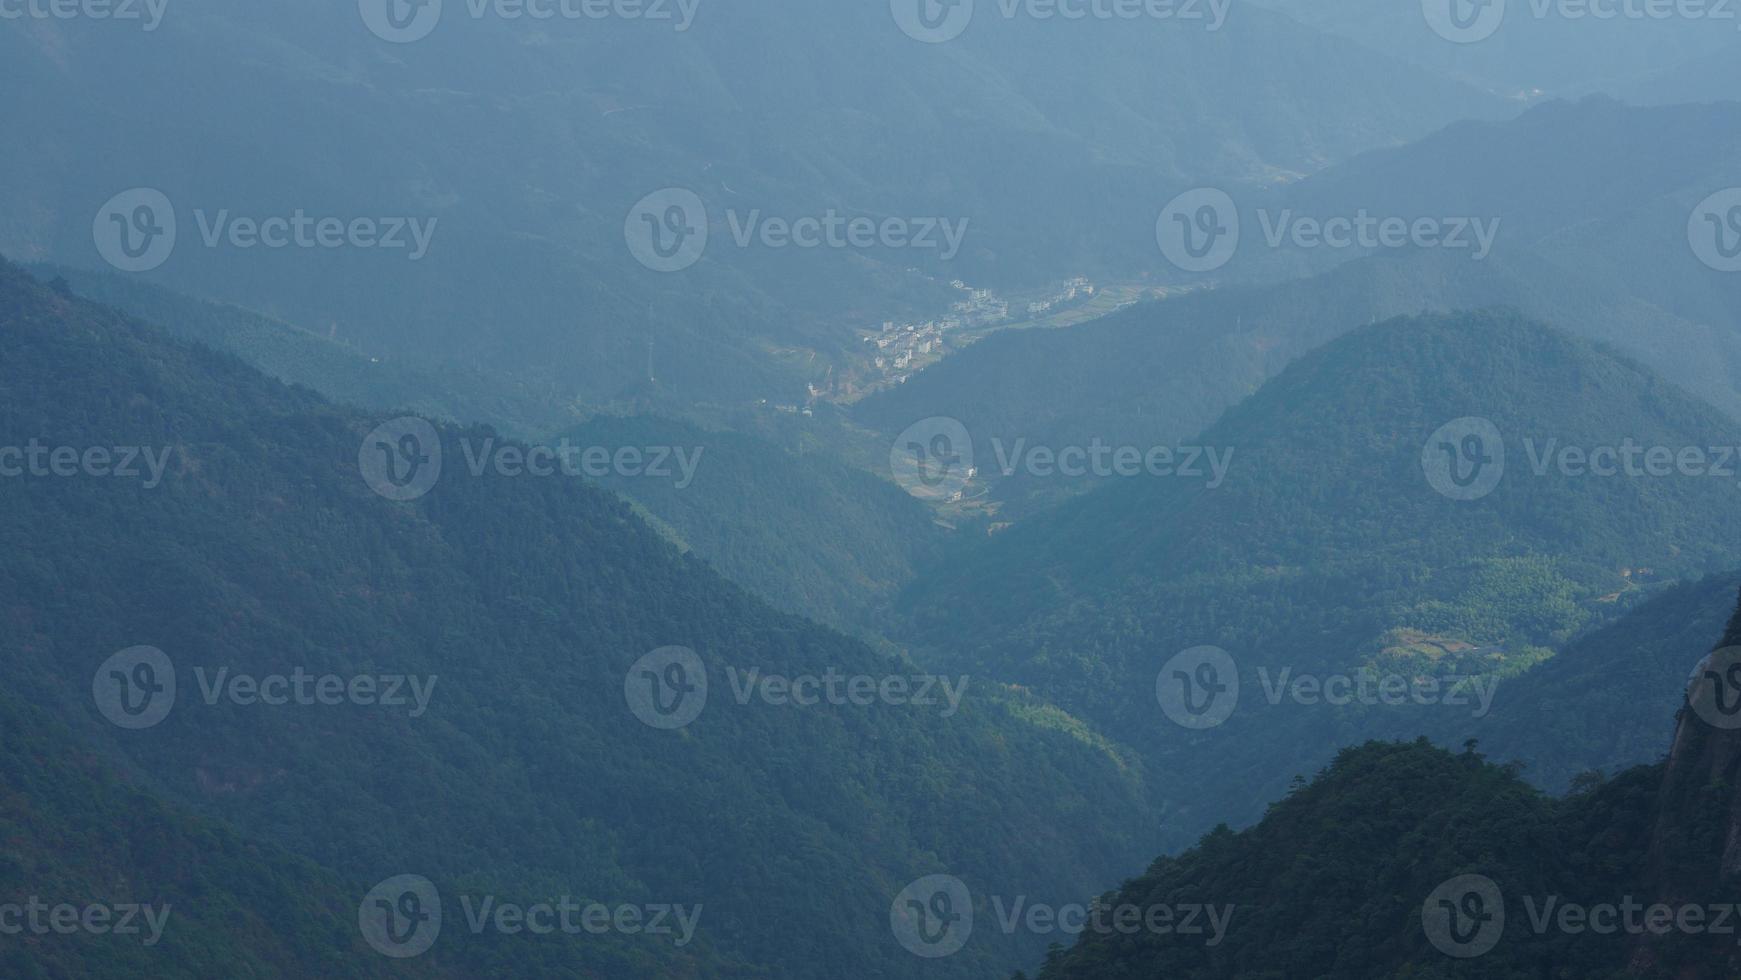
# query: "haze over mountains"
(1590, 205)
(529, 142)
(1528, 49)
(624, 489)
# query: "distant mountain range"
(1593, 202)
(1536, 48)
(1041, 136)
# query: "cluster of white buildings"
(1077, 288)
(905, 347)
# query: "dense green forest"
(263, 550)
(809, 534)
(74, 831)
(1332, 882)
(1343, 877)
(1605, 701)
(1327, 551)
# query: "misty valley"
(957, 489)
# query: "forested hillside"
(519, 608)
(809, 534)
(1404, 859)
(1329, 551)
(190, 899)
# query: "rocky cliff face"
(1695, 854)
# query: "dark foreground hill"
(1408, 860)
